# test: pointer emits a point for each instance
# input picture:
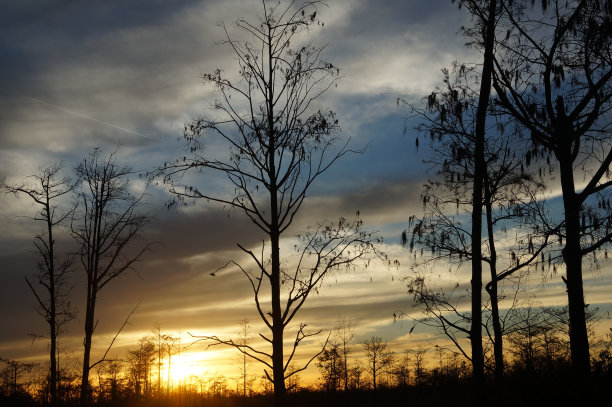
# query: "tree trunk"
(479, 171)
(89, 328)
(278, 370)
(476, 283)
(572, 256)
(498, 348)
(374, 374)
(53, 350)
(345, 367)
(52, 305)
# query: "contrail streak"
(82, 115)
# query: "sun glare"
(186, 365)
(201, 372)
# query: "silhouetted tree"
(140, 362)
(486, 15)
(536, 340)
(169, 342)
(331, 367)
(442, 309)
(553, 78)
(163, 348)
(355, 375)
(47, 189)
(344, 335)
(278, 144)
(244, 341)
(401, 370)
(602, 364)
(106, 226)
(12, 375)
(510, 202)
(539, 336)
(418, 365)
(111, 380)
(380, 358)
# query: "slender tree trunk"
(52, 305)
(498, 348)
(278, 369)
(169, 370)
(89, 328)
(345, 366)
(53, 349)
(572, 256)
(374, 374)
(479, 171)
(159, 362)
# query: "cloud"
(385, 48)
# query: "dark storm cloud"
(19, 315)
(125, 64)
(378, 204)
(188, 233)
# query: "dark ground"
(516, 391)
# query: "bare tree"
(279, 144)
(106, 226)
(163, 347)
(47, 189)
(244, 341)
(169, 342)
(379, 357)
(344, 335)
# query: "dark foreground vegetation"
(522, 388)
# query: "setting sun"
(186, 365)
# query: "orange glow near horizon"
(195, 366)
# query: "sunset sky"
(78, 75)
